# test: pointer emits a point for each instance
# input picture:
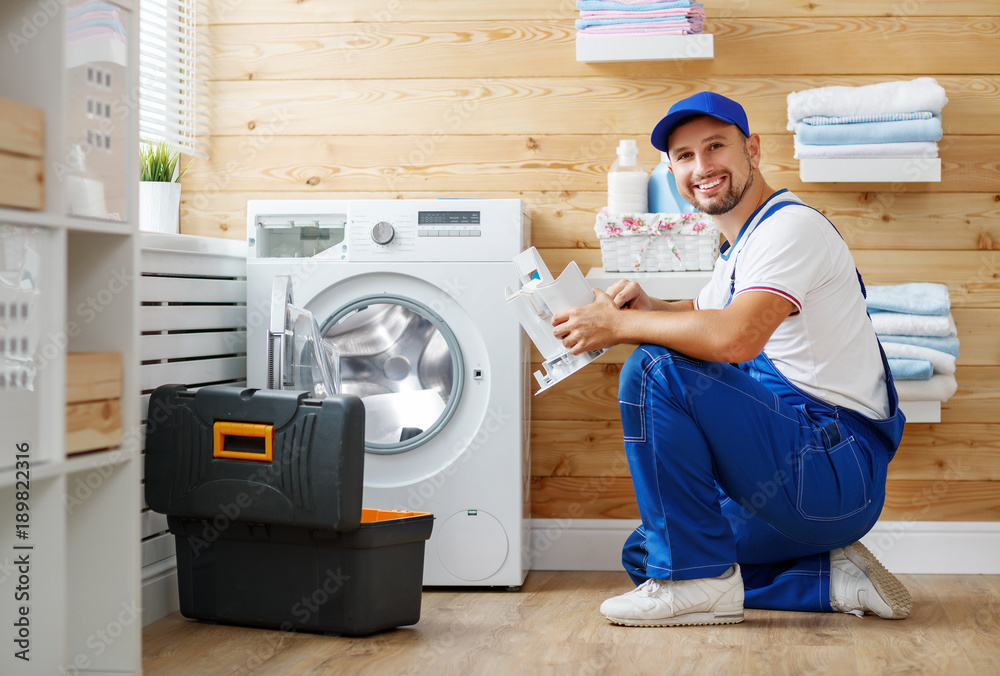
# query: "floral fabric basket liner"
(656, 229)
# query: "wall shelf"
(605, 48)
(871, 170)
(921, 411)
(683, 285)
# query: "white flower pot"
(159, 206)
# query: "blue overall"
(734, 463)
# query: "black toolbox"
(262, 491)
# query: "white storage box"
(657, 242)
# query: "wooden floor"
(552, 626)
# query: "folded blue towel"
(871, 117)
(948, 345)
(665, 21)
(919, 298)
(92, 7)
(625, 7)
(869, 132)
(112, 24)
(911, 369)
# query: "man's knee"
(639, 363)
(671, 373)
(647, 359)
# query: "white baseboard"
(905, 547)
(937, 547)
(159, 590)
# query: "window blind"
(173, 93)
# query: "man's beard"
(726, 202)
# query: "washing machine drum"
(405, 364)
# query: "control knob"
(383, 232)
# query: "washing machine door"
(297, 357)
(405, 364)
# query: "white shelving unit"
(686, 285)
(79, 588)
(871, 170)
(604, 48)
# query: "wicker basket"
(657, 242)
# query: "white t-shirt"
(827, 346)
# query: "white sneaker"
(670, 603)
(860, 584)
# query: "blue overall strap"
(892, 427)
(770, 212)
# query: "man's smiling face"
(711, 163)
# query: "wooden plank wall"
(423, 98)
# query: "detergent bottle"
(627, 181)
(664, 197)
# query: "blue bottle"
(664, 198)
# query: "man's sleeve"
(715, 294)
(785, 256)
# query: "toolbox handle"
(225, 428)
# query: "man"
(759, 419)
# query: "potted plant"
(160, 188)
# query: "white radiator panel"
(193, 319)
(195, 372)
(182, 345)
(170, 289)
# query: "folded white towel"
(940, 387)
(918, 149)
(914, 325)
(942, 361)
(923, 93)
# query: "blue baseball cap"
(702, 103)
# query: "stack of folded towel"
(889, 119)
(917, 332)
(640, 17)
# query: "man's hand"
(593, 326)
(734, 334)
(629, 294)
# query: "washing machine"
(411, 294)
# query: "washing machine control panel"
(472, 230)
(428, 230)
(380, 234)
